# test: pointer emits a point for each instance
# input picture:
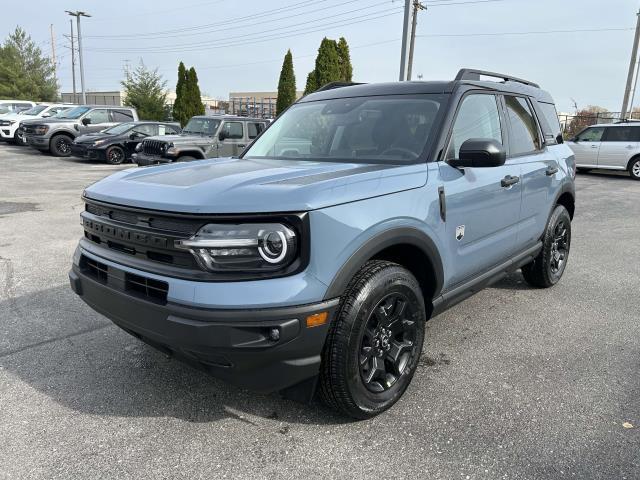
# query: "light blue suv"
(313, 260)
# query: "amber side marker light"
(317, 319)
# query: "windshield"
(202, 126)
(119, 129)
(392, 129)
(74, 113)
(35, 110)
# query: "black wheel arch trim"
(378, 243)
(567, 187)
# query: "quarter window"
(477, 117)
(591, 135)
(233, 130)
(525, 137)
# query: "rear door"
(482, 212)
(618, 145)
(586, 146)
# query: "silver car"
(611, 147)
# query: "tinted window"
(98, 116)
(122, 115)
(477, 117)
(591, 134)
(622, 134)
(35, 110)
(377, 129)
(233, 130)
(551, 116)
(524, 129)
(254, 129)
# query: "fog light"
(274, 334)
(317, 319)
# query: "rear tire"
(547, 268)
(374, 344)
(634, 168)
(583, 170)
(60, 145)
(115, 155)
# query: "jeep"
(202, 137)
(313, 260)
(56, 134)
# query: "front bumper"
(88, 153)
(142, 159)
(35, 141)
(234, 344)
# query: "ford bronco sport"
(202, 137)
(315, 259)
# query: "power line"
(539, 32)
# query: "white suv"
(611, 147)
(10, 123)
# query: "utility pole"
(406, 31)
(632, 64)
(416, 7)
(79, 14)
(73, 62)
(635, 85)
(53, 51)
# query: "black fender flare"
(567, 187)
(379, 242)
(196, 153)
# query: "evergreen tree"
(286, 84)
(346, 70)
(310, 86)
(327, 63)
(194, 102)
(25, 73)
(145, 90)
(180, 113)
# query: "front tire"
(634, 168)
(185, 158)
(547, 268)
(115, 155)
(60, 145)
(374, 344)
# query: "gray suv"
(313, 261)
(56, 134)
(202, 137)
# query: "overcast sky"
(574, 48)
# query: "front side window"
(622, 134)
(478, 117)
(232, 130)
(525, 137)
(380, 129)
(551, 116)
(119, 129)
(593, 134)
(254, 129)
(98, 116)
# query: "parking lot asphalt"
(514, 383)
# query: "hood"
(49, 120)
(92, 137)
(232, 185)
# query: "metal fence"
(573, 124)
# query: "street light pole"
(79, 14)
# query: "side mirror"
(559, 139)
(86, 121)
(135, 135)
(480, 152)
(222, 136)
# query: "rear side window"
(593, 134)
(525, 137)
(622, 134)
(254, 129)
(122, 115)
(477, 117)
(233, 130)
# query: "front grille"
(152, 220)
(154, 147)
(147, 288)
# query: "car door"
(231, 139)
(619, 144)
(137, 134)
(95, 120)
(482, 203)
(586, 146)
(538, 168)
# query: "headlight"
(41, 129)
(250, 247)
(97, 143)
(139, 147)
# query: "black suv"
(116, 144)
(202, 137)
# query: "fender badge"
(459, 232)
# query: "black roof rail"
(472, 74)
(332, 85)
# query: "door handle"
(629, 147)
(509, 181)
(551, 171)
(595, 146)
(241, 146)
